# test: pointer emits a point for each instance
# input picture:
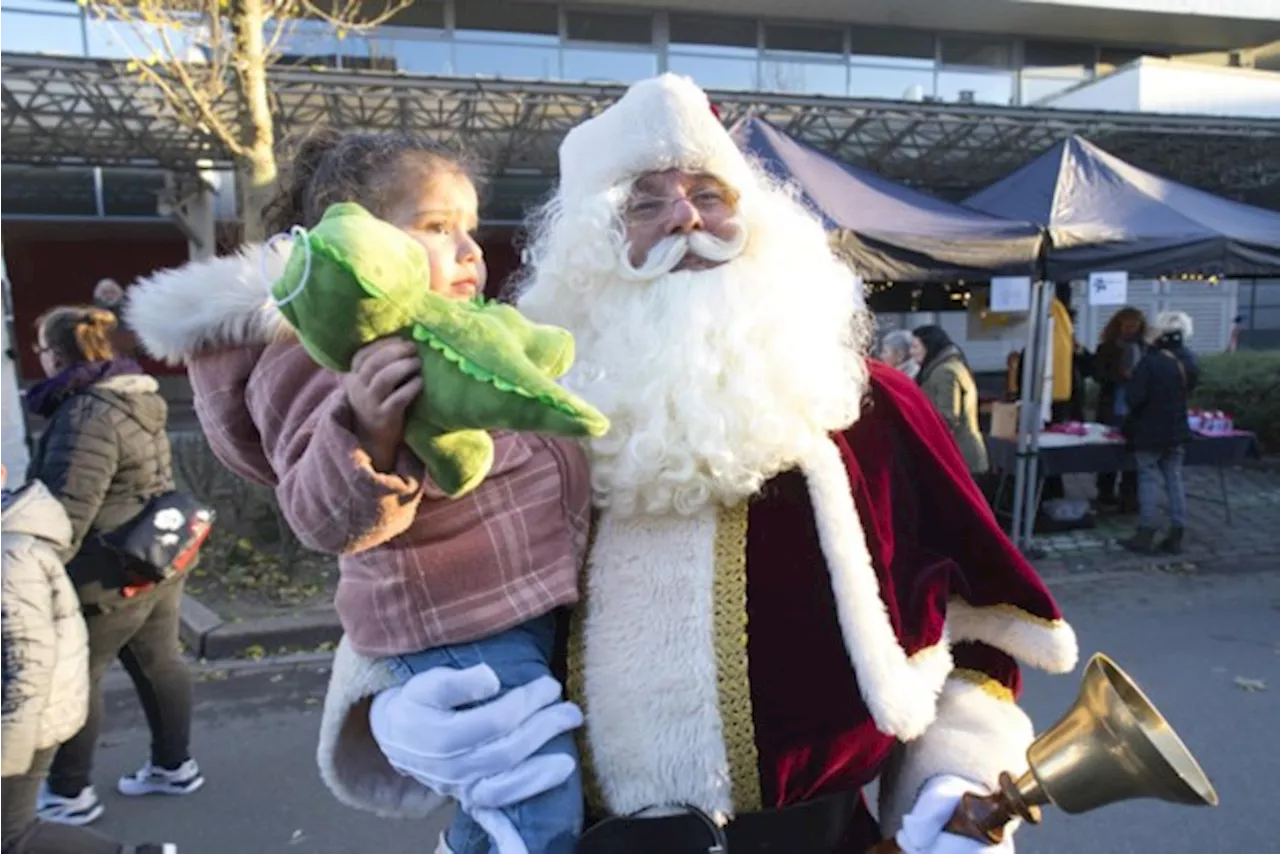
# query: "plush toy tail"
(457, 462)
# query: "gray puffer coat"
(46, 647)
(104, 455)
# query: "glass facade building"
(515, 40)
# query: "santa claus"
(794, 588)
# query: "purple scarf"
(44, 398)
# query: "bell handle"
(979, 817)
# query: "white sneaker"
(80, 810)
(150, 780)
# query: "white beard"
(714, 380)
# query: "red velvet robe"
(942, 565)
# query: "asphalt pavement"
(1205, 649)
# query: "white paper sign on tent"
(1109, 288)
(1010, 293)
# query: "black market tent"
(1103, 214)
(889, 232)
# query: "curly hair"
(1112, 332)
(326, 166)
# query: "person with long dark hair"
(104, 455)
(947, 381)
(1119, 351)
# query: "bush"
(1246, 384)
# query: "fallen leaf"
(297, 837)
(1251, 684)
(277, 677)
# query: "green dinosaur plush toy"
(354, 279)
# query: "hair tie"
(297, 233)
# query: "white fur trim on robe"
(1049, 645)
(976, 736)
(649, 664)
(900, 692)
(351, 763)
(210, 305)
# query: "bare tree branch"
(225, 93)
(352, 15)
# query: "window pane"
(421, 13)
(31, 190)
(960, 50)
(829, 39)
(712, 30)
(715, 72)
(897, 84)
(421, 56)
(803, 78)
(610, 27)
(122, 40)
(307, 43)
(896, 47)
(58, 35)
(975, 87)
(510, 16)
(62, 7)
(1035, 87)
(1058, 55)
(131, 192)
(608, 66)
(501, 60)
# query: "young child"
(425, 581)
(46, 673)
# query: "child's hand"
(385, 379)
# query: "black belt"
(813, 827)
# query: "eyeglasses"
(707, 201)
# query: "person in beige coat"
(947, 381)
(46, 673)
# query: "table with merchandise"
(1094, 448)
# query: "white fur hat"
(661, 123)
(1174, 321)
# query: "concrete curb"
(209, 636)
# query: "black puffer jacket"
(103, 455)
(1158, 392)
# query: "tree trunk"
(256, 172)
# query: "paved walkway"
(1211, 543)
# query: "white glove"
(482, 756)
(921, 831)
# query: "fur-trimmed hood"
(217, 318)
(210, 305)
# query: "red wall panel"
(53, 264)
(58, 264)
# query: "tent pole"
(1020, 485)
(1044, 300)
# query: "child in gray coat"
(46, 674)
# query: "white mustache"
(671, 250)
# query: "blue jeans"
(1154, 466)
(552, 822)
